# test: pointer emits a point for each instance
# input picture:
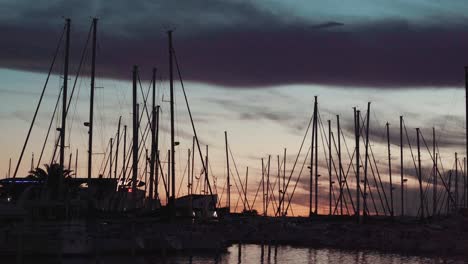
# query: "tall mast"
(156, 146)
(279, 179)
(267, 186)
(135, 132)
(206, 171)
(91, 102)
(316, 156)
(153, 137)
(311, 183)
(358, 186)
(168, 196)
(228, 174)
(284, 179)
(466, 120)
(402, 181)
(76, 163)
(434, 174)
(263, 188)
(171, 87)
(456, 181)
(465, 181)
(245, 192)
(390, 170)
(329, 169)
(124, 155)
(188, 172)
(64, 103)
(339, 163)
(421, 198)
(69, 160)
(110, 158)
(9, 168)
(117, 148)
(193, 165)
(364, 198)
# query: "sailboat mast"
(402, 181)
(390, 170)
(339, 163)
(76, 163)
(124, 155)
(364, 198)
(434, 174)
(268, 186)
(329, 169)
(64, 101)
(311, 181)
(117, 148)
(91, 102)
(135, 133)
(228, 174)
(466, 118)
(156, 146)
(110, 157)
(357, 116)
(171, 87)
(9, 168)
(245, 192)
(421, 197)
(153, 138)
(316, 155)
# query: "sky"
(251, 68)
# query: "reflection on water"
(267, 254)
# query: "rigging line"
(191, 121)
(222, 193)
(104, 159)
(40, 101)
(294, 166)
(351, 164)
(241, 194)
(145, 108)
(345, 176)
(297, 181)
(215, 179)
(258, 189)
(341, 196)
(437, 168)
(50, 126)
(142, 149)
(73, 88)
(161, 168)
(322, 132)
(182, 181)
(244, 190)
(143, 138)
(70, 124)
(378, 175)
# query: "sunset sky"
(250, 68)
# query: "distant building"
(197, 205)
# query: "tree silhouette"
(52, 175)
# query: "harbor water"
(250, 253)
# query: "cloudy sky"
(251, 68)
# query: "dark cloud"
(235, 43)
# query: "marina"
(352, 190)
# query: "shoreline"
(444, 237)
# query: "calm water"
(269, 255)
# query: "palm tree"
(53, 175)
